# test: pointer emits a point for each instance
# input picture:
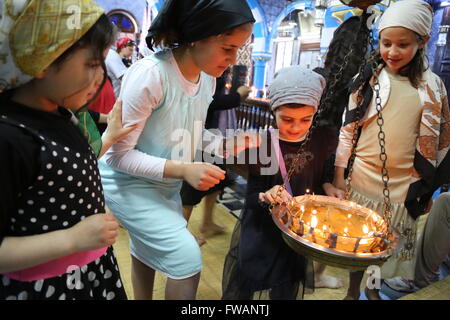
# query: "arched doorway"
(126, 23)
(295, 39)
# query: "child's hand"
(332, 191)
(115, 131)
(243, 140)
(271, 197)
(94, 232)
(202, 176)
(339, 180)
(243, 92)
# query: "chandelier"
(335, 232)
(339, 232)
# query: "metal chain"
(359, 101)
(333, 83)
(383, 157)
(381, 140)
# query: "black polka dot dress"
(66, 191)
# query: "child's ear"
(424, 41)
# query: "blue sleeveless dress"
(151, 210)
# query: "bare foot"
(212, 229)
(372, 294)
(326, 281)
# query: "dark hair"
(170, 38)
(414, 69)
(350, 35)
(98, 38)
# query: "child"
(116, 68)
(54, 238)
(162, 94)
(125, 49)
(221, 115)
(415, 112)
(259, 259)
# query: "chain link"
(380, 121)
(359, 101)
(387, 214)
(383, 157)
(331, 88)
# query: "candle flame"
(349, 216)
(365, 241)
(314, 221)
(314, 212)
(345, 230)
(365, 229)
(324, 228)
(307, 191)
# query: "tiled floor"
(233, 197)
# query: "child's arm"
(343, 153)
(332, 191)
(328, 177)
(231, 146)
(94, 232)
(115, 130)
(339, 180)
(201, 175)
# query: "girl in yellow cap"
(55, 238)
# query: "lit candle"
(365, 229)
(356, 244)
(332, 240)
(301, 229)
(314, 222)
(346, 231)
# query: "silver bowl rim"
(372, 256)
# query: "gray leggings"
(434, 244)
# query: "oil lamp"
(336, 232)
